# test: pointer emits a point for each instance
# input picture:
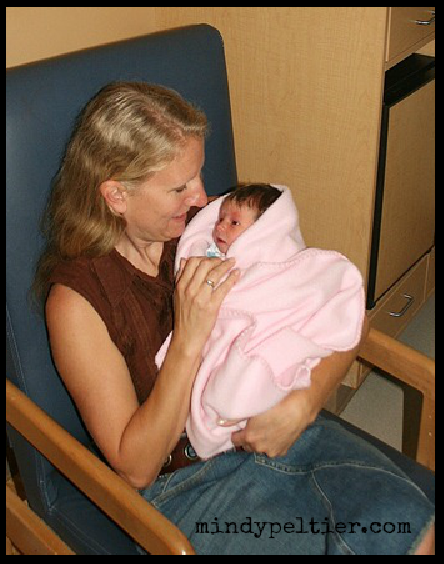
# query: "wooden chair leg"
(426, 446)
(411, 420)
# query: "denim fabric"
(332, 494)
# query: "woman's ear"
(114, 194)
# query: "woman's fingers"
(224, 288)
(227, 423)
(201, 287)
(199, 274)
(183, 263)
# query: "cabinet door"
(408, 214)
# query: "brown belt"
(183, 455)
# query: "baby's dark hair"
(258, 197)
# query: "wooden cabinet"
(307, 88)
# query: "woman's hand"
(201, 287)
(274, 432)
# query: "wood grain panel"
(306, 88)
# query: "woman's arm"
(135, 439)
(275, 431)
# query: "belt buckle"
(190, 453)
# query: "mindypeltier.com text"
(298, 526)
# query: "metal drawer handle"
(410, 302)
(427, 22)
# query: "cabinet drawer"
(398, 309)
(405, 33)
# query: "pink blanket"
(292, 307)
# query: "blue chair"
(42, 102)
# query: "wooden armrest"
(399, 360)
(148, 527)
(416, 370)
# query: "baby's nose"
(220, 227)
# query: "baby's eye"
(235, 223)
(180, 190)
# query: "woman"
(131, 174)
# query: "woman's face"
(157, 211)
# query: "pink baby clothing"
(291, 307)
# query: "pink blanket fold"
(292, 307)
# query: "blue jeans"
(332, 494)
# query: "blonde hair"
(127, 132)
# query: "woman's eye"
(180, 190)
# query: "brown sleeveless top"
(137, 309)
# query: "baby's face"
(233, 220)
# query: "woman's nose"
(198, 196)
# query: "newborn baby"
(291, 307)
